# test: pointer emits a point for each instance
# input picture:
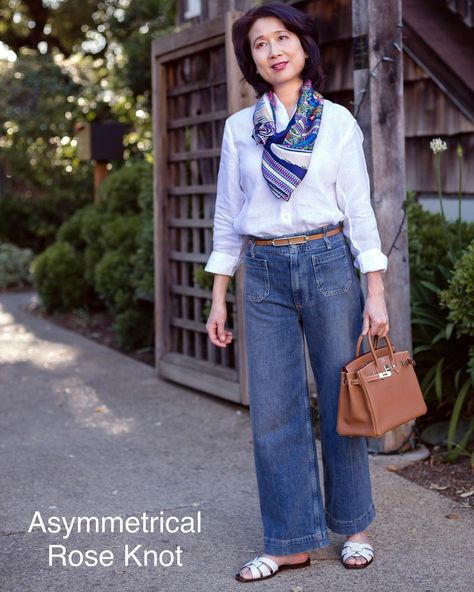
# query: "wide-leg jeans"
(291, 292)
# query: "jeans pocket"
(256, 279)
(333, 274)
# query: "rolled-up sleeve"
(227, 243)
(353, 198)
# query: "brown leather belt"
(296, 240)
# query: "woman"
(292, 187)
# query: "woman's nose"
(273, 51)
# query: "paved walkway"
(87, 431)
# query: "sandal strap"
(351, 548)
(270, 563)
(261, 566)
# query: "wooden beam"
(187, 35)
(201, 375)
(159, 210)
(239, 95)
(378, 91)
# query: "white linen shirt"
(335, 188)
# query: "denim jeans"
(292, 291)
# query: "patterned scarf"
(286, 154)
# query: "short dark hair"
(295, 21)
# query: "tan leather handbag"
(379, 391)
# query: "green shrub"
(93, 219)
(112, 281)
(119, 191)
(428, 241)
(71, 231)
(134, 328)
(113, 273)
(14, 266)
(120, 233)
(143, 269)
(32, 221)
(59, 278)
(458, 298)
(113, 242)
(442, 353)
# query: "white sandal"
(353, 549)
(263, 567)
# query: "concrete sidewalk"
(87, 431)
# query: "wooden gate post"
(378, 91)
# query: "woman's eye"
(280, 37)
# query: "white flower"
(437, 145)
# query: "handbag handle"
(372, 348)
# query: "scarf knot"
(264, 130)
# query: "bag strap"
(372, 348)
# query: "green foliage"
(68, 21)
(442, 354)
(134, 328)
(38, 107)
(458, 298)
(141, 22)
(44, 97)
(120, 233)
(111, 243)
(143, 275)
(428, 246)
(59, 278)
(114, 271)
(203, 279)
(14, 266)
(44, 94)
(112, 275)
(92, 220)
(120, 191)
(32, 221)
(43, 182)
(71, 231)
(72, 75)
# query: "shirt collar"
(282, 119)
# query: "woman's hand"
(375, 315)
(216, 325)
(216, 322)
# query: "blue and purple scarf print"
(287, 154)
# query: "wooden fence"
(196, 86)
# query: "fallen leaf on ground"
(438, 487)
(453, 516)
(393, 468)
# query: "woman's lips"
(280, 66)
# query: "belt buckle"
(303, 236)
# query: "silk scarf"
(287, 154)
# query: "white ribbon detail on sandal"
(353, 549)
(261, 567)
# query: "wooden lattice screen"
(196, 85)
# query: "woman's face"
(271, 43)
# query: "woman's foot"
(246, 573)
(360, 537)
